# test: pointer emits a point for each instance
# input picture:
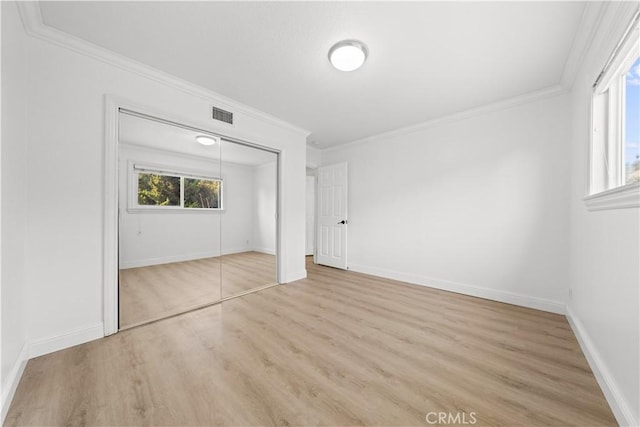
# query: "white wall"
(14, 200)
(314, 157)
(605, 277)
(64, 243)
(476, 205)
(149, 238)
(264, 195)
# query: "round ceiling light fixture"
(206, 140)
(348, 55)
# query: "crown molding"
(549, 92)
(34, 26)
(587, 29)
(599, 32)
(615, 20)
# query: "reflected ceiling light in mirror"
(348, 55)
(207, 140)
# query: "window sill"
(172, 211)
(627, 196)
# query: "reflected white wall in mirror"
(255, 265)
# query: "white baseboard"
(179, 258)
(10, 385)
(235, 251)
(616, 400)
(68, 339)
(461, 288)
(41, 347)
(298, 275)
(268, 251)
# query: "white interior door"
(332, 216)
(311, 213)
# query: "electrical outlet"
(570, 293)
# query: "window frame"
(135, 168)
(607, 187)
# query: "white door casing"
(332, 216)
(310, 215)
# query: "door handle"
(344, 222)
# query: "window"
(155, 189)
(161, 189)
(615, 138)
(632, 123)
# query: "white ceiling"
(151, 134)
(426, 60)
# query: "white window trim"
(609, 91)
(626, 196)
(133, 207)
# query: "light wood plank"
(158, 291)
(338, 348)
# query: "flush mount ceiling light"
(348, 55)
(206, 140)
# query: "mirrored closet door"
(197, 219)
(169, 225)
(249, 219)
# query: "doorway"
(197, 218)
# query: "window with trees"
(160, 189)
(615, 134)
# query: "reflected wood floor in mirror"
(338, 348)
(149, 293)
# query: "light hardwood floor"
(338, 348)
(149, 293)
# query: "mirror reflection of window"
(201, 193)
(158, 190)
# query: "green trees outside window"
(201, 193)
(156, 189)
